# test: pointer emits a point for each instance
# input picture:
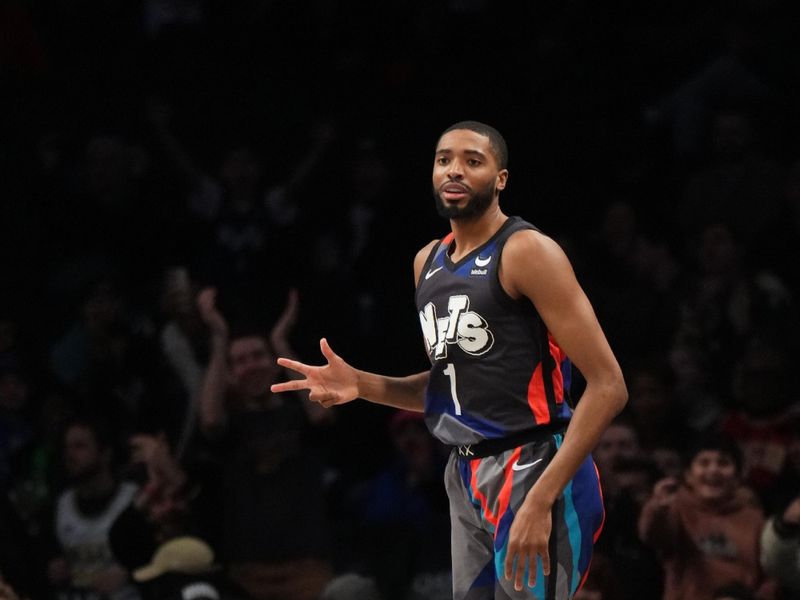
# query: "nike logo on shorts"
(518, 467)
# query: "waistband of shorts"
(490, 447)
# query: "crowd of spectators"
(192, 187)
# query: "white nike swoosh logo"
(482, 262)
(430, 274)
(518, 467)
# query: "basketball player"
(501, 311)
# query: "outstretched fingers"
(295, 365)
(290, 386)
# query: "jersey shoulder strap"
(436, 251)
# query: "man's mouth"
(454, 191)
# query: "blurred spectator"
(159, 509)
(765, 421)
(250, 212)
(741, 189)
(727, 77)
(275, 538)
(653, 409)
(637, 281)
(107, 357)
(619, 543)
(106, 211)
(37, 469)
(620, 441)
(406, 503)
(84, 566)
(780, 548)
(706, 528)
(185, 346)
(729, 304)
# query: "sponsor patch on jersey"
(478, 272)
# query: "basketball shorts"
(485, 494)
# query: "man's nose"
(455, 170)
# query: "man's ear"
(501, 180)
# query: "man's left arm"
(534, 266)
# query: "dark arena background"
(280, 153)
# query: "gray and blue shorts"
(485, 494)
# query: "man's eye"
(441, 160)
(472, 162)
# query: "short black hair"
(496, 140)
(715, 442)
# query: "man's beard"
(475, 207)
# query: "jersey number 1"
(450, 371)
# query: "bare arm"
(337, 382)
(215, 380)
(657, 526)
(534, 266)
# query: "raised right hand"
(207, 306)
(329, 385)
(664, 491)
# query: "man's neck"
(472, 233)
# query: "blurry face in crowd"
(712, 475)
(83, 458)
(466, 176)
(252, 365)
(618, 441)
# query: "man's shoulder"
(425, 251)
(529, 244)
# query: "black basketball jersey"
(496, 370)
